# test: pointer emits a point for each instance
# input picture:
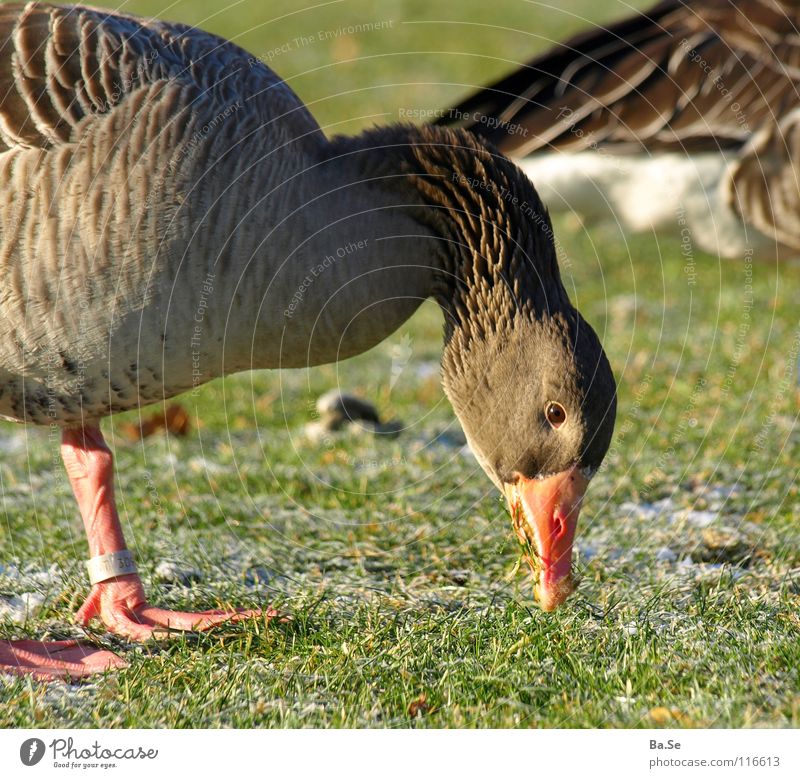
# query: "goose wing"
(682, 76)
(764, 181)
(64, 67)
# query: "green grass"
(395, 557)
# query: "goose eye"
(555, 414)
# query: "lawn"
(394, 555)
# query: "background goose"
(684, 117)
(171, 213)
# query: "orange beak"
(545, 513)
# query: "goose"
(684, 119)
(170, 212)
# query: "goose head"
(525, 373)
(537, 404)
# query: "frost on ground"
(18, 609)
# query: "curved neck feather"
(382, 221)
(495, 255)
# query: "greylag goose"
(171, 213)
(684, 118)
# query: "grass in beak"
(522, 530)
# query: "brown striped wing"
(683, 76)
(62, 65)
(764, 184)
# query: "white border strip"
(404, 754)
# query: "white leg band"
(101, 568)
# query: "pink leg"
(119, 603)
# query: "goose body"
(170, 212)
(683, 117)
(170, 203)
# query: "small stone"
(316, 431)
(699, 518)
(19, 609)
(170, 571)
(665, 554)
(722, 545)
(339, 408)
(459, 577)
(257, 575)
(644, 510)
(449, 436)
(390, 428)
